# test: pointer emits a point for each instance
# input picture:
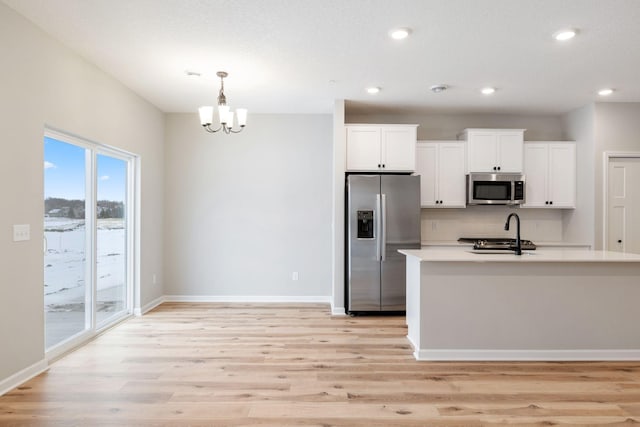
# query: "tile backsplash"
(444, 225)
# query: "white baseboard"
(23, 376)
(149, 306)
(248, 298)
(527, 355)
(338, 311)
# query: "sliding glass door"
(66, 272)
(88, 238)
(111, 237)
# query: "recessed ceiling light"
(400, 33)
(192, 73)
(563, 35)
(487, 90)
(605, 92)
(373, 90)
(439, 88)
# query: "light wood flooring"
(279, 365)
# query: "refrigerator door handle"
(383, 235)
(378, 226)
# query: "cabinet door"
(562, 175)
(451, 175)
(399, 149)
(481, 148)
(427, 168)
(364, 146)
(535, 171)
(509, 151)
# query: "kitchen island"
(552, 304)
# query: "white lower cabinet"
(441, 166)
(550, 174)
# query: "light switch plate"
(21, 232)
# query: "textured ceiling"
(297, 56)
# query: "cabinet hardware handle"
(551, 202)
(494, 168)
(383, 165)
(379, 165)
(498, 167)
(619, 241)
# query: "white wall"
(244, 211)
(339, 166)
(617, 128)
(43, 82)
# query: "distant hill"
(56, 207)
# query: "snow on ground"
(64, 274)
(64, 261)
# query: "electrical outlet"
(154, 279)
(21, 232)
(434, 225)
(294, 275)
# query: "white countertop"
(539, 255)
(455, 243)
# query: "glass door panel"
(111, 237)
(66, 276)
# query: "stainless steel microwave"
(495, 189)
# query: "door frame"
(607, 157)
(132, 236)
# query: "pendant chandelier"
(224, 113)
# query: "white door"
(509, 146)
(562, 176)
(482, 152)
(536, 173)
(427, 168)
(399, 149)
(451, 177)
(623, 205)
(364, 146)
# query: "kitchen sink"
(497, 252)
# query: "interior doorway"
(88, 253)
(622, 203)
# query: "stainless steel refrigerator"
(383, 215)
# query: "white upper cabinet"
(441, 166)
(494, 150)
(550, 174)
(381, 148)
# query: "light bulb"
(242, 116)
(206, 115)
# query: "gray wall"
(617, 128)
(42, 82)
(578, 224)
(244, 211)
(448, 126)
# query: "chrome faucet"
(506, 227)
